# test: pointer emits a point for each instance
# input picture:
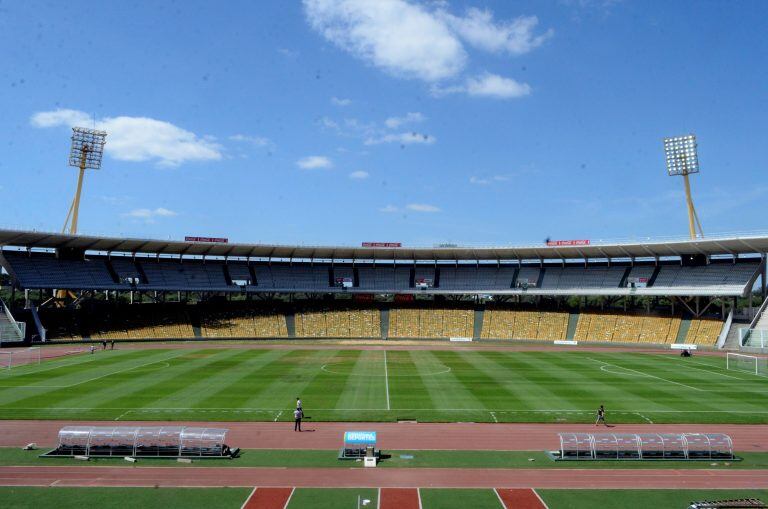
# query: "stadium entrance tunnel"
(142, 442)
(644, 446)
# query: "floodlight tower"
(683, 159)
(86, 152)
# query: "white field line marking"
(499, 497)
(54, 483)
(123, 415)
(647, 374)
(386, 377)
(708, 370)
(644, 417)
(418, 493)
(90, 379)
(273, 410)
(540, 499)
(278, 415)
(289, 498)
(493, 414)
(253, 492)
(378, 499)
(16, 373)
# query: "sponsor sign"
(581, 242)
(423, 283)
(359, 437)
(382, 244)
(220, 240)
(344, 282)
(682, 346)
(564, 342)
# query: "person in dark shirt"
(601, 416)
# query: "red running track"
(394, 436)
(381, 477)
(399, 498)
(268, 498)
(520, 499)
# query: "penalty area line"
(646, 374)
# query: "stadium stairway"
(573, 320)
(478, 328)
(682, 333)
(732, 341)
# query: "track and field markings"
(386, 378)
(540, 499)
(647, 374)
(123, 415)
(500, 500)
(278, 415)
(418, 492)
(378, 498)
(253, 492)
(289, 498)
(644, 417)
(493, 414)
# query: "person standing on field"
(297, 415)
(601, 416)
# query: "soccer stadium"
(363, 358)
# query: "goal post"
(747, 363)
(20, 357)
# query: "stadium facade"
(673, 278)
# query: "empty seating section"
(704, 332)
(528, 275)
(430, 323)
(299, 277)
(572, 278)
(43, 271)
(344, 323)
(243, 323)
(713, 277)
(626, 328)
(126, 269)
(239, 272)
(144, 321)
(519, 324)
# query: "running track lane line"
(385, 477)
(520, 498)
(268, 498)
(399, 498)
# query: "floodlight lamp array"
(87, 148)
(681, 155)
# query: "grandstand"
(659, 292)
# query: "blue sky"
(323, 122)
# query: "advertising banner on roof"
(382, 244)
(220, 240)
(580, 242)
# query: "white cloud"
(422, 207)
(402, 138)
(340, 101)
(149, 215)
(288, 53)
(388, 209)
(493, 85)
(314, 162)
(394, 35)
(359, 175)
(395, 122)
(479, 29)
(258, 141)
(138, 139)
(487, 180)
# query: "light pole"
(86, 151)
(683, 159)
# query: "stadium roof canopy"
(716, 245)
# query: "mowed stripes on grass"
(451, 385)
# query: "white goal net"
(15, 357)
(747, 363)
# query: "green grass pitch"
(241, 384)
